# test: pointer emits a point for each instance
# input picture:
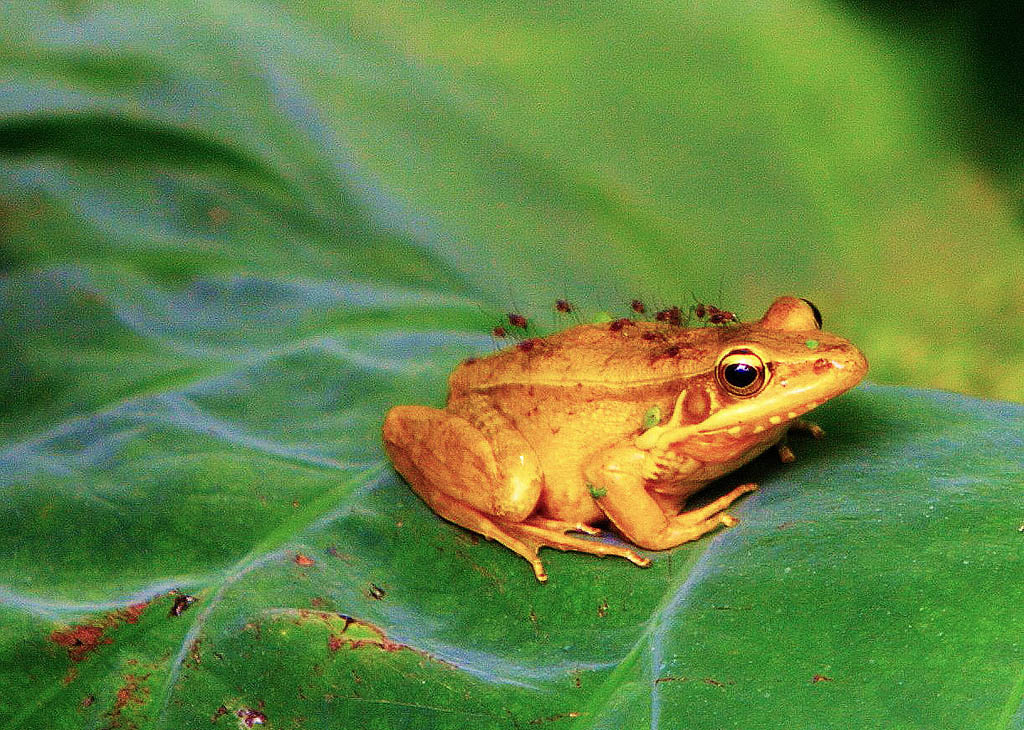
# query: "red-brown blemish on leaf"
(131, 614)
(71, 675)
(670, 678)
(87, 701)
(130, 693)
(820, 678)
(81, 640)
(250, 717)
(304, 560)
(219, 713)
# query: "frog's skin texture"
(616, 422)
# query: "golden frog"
(617, 422)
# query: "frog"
(549, 441)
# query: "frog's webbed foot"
(786, 455)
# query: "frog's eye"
(742, 373)
(815, 310)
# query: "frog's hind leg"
(485, 463)
(474, 469)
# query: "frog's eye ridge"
(742, 373)
(815, 310)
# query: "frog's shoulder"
(624, 353)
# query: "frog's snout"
(847, 366)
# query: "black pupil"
(740, 374)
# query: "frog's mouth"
(762, 423)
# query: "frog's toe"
(810, 427)
(538, 536)
(562, 526)
(786, 455)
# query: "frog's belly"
(565, 495)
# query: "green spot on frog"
(811, 344)
(596, 492)
(652, 418)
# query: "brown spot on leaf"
(88, 700)
(130, 693)
(181, 604)
(602, 608)
(219, 713)
(83, 639)
(820, 678)
(714, 682)
(670, 678)
(250, 717)
(80, 641)
(304, 560)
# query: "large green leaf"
(234, 236)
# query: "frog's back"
(624, 353)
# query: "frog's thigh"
(619, 487)
(495, 473)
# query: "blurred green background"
(863, 157)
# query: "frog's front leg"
(618, 484)
(472, 467)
